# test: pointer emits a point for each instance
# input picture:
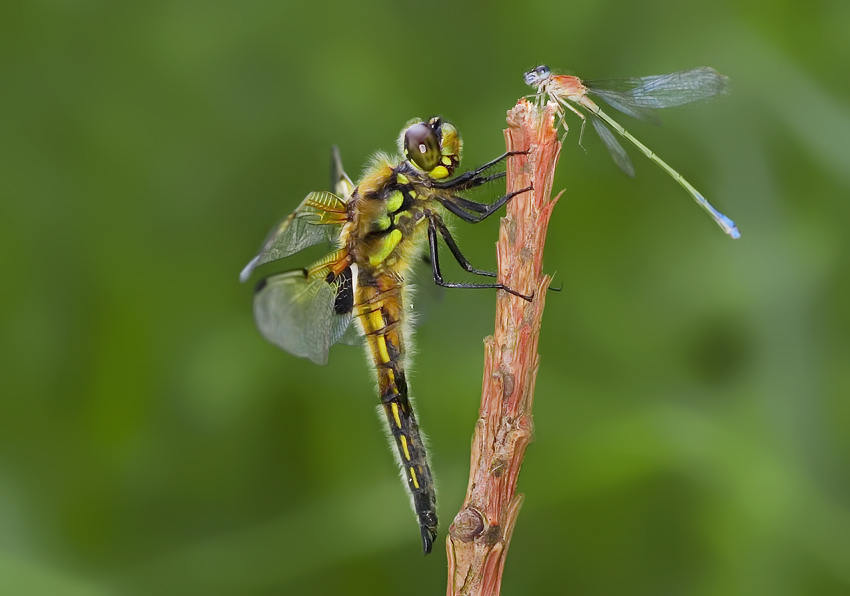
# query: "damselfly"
(636, 97)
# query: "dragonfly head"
(537, 76)
(433, 147)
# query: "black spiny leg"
(474, 178)
(461, 259)
(438, 276)
(458, 255)
(456, 205)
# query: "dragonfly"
(358, 293)
(638, 98)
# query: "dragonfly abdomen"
(414, 464)
(380, 311)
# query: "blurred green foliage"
(692, 412)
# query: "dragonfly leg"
(459, 256)
(438, 276)
(456, 204)
(468, 181)
(438, 223)
(474, 178)
(469, 205)
(502, 157)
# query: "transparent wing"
(660, 91)
(340, 182)
(616, 150)
(623, 102)
(317, 219)
(353, 336)
(348, 331)
(298, 312)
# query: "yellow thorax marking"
(387, 245)
(402, 179)
(382, 223)
(394, 201)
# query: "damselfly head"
(537, 76)
(433, 147)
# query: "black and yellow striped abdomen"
(380, 309)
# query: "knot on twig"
(468, 524)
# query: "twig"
(481, 532)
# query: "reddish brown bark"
(481, 532)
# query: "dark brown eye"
(422, 147)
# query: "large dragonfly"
(635, 97)
(378, 230)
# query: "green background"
(692, 412)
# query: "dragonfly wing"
(665, 91)
(298, 313)
(621, 158)
(340, 182)
(353, 335)
(317, 219)
(344, 329)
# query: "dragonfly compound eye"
(422, 147)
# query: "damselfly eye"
(538, 75)
(422, 147)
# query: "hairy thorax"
(388, 220)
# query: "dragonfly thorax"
(388, 210)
